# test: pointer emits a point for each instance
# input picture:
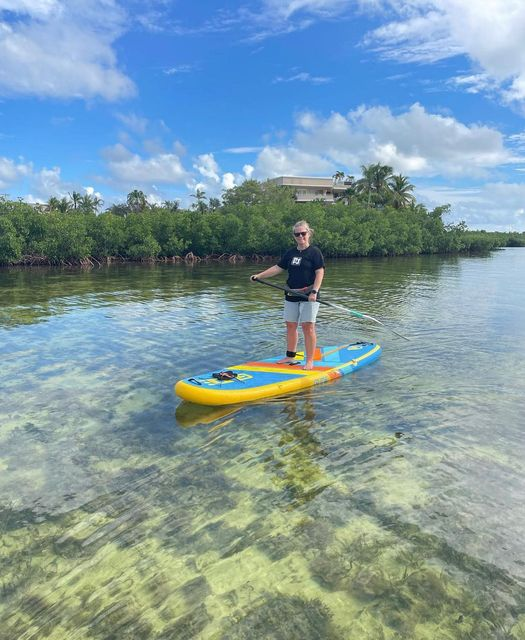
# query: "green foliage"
(136, 201)
(89, 204)
(376, 216)
(252, 192)
(249, 193)
(515, 240)
(10, 242)
(165, 225)
(66, 238)
(400, 191)
(375, 184)
(140, 241)
(200, 201)
(108, 233)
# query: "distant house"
(309, 189)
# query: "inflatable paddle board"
(260, 379)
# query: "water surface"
(386, 505)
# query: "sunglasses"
(300, 233)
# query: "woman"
(305, 266)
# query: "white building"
(309, 189)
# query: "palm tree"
(171, 205)
(119, 209)
(338, 176)
(97, 202)
(54, 204)
(200, 197)
(349, 185)
(214, 204)
(137, 201)
(75, 199)
(375, 182)
(90, 203)
(400, 189)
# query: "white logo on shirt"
(296, 261)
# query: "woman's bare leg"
(310, 341)
(292, 337)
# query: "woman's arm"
(319, 275)
(268, 273)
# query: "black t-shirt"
(301, 267)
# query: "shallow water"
(386, 505)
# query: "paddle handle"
(356, 314)
(281, 288)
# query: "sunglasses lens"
(300, 233)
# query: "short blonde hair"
(303, 223)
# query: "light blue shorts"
(300, 311)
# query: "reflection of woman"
(305, 266)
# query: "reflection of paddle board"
(265, 378)
(188, 414)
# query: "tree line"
(376, 215)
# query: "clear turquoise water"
(387, 505)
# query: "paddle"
(352, 312)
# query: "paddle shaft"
(352, 312)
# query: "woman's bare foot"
(308, 366)
(285, 360)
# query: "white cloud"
(179, 148)
(43, 183)
(495, 206)
(228, 180)
(279, 17)
(243, 149)
(416, 142)
(132, 121)
(269, 19)
(91, 192)
(424, 38)
(153, 146)
(62, 49)
(181, 68)
(48, 182)
(11, 171)
(131, 169)
(303, 77)
(475, 83)
(489, 33)
(207, 166)
(215, 181)
(518, 139)
(36, 8)
(117, 153)
(284, 9)
(290, 161)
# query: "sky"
(108, 96)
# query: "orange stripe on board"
(281, 367)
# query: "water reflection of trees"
(35, 294)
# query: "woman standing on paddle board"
(305, 266)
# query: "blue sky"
(107, 96)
